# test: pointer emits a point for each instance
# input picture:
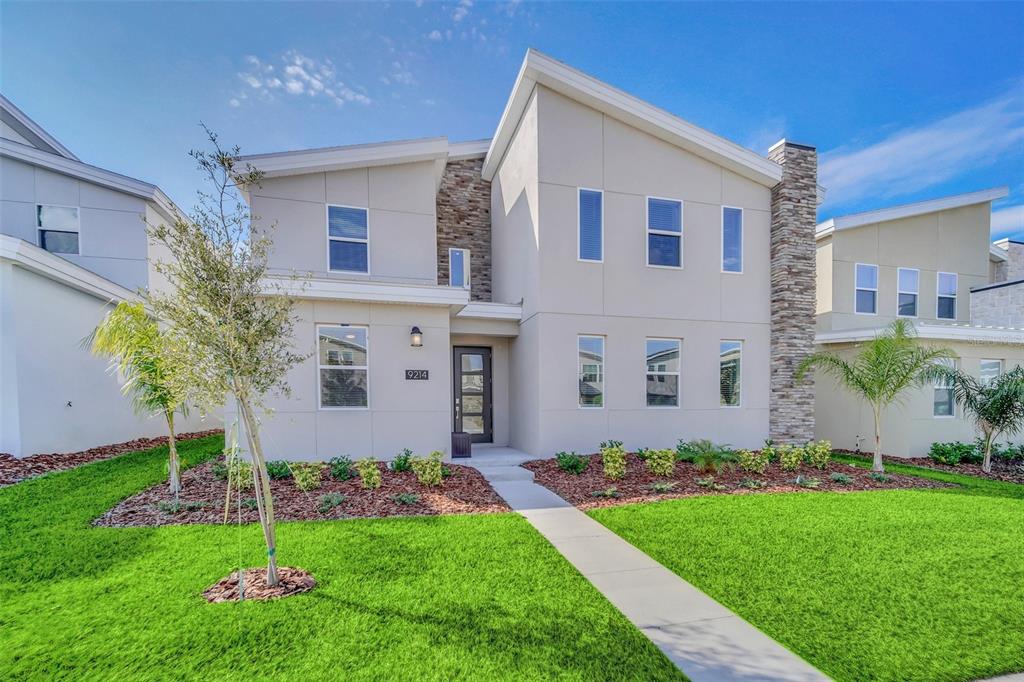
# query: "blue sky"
(904, 101)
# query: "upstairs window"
(590, 350)
(946, 287)
(458, 268)
(348, 239)
(591, 227)
(907, 288)
(58, 228)
(343, 365)
(990, 371)
(866, 302)
(662, 372)
(729, 357)
(732, 239)
(664, 233)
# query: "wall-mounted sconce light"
(416, 337)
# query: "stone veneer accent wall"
(1000, 305)
(794, 216)
(464, 221)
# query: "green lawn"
(895, 585)
(480, 597)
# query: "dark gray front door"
(472, 390)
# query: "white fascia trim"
(351, 156)
(540, 69)
(51, 266)
(482, 310)
(34, 128)
(371, 292)
(474, 149)
(937, 332)
(998, 253)
(908, 210)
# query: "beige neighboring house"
(598, 269)
(930, 263)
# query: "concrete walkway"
(707, 641)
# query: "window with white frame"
(989, 371)
(866, 301)
(348, 239)
(664, 232)
(943, 404)
(732, 239)
(729, 361)
(907, 287)
(945, 308)
(458, 268)
(590, 351)
(591, 225)
(58, 228)
(662, 372)
(343, 365)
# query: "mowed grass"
(894, 585)
(470, 597)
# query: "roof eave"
(343, 158)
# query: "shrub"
(250, 503)
(369, 473)
(406, 498)
(661, 462)
(278, 469)
(643, 453)
(428, 469)
(756, 461)
(570, 462)
(709, 483)
(307, 476)
(708, 457)
(880, 478)
(662, 486)
(175, 507)
(613, 459)
(807, 482)
(818, 453)
(402, 461)
(446, 472)
(840, 478)
(341, 467)
(607, 492)
(950, 453)
(752, 483)
(329, 501)
(790, 457)
(237, 473)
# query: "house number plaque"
(417, 374)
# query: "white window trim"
(40, 229)
(648, 231)
(739, 403)
(319, 392)
(604, 371)
(465, 266)
(677, 374)
(327, 230)
(1002, 366)
(742, 230)
(580, 190)
(857, 288)
(917, 294)
(956, 289)
(935, 387)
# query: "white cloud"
(1007, 220)
(771, 131)
(434, 35)
(400, 73)
(462, 10)
(915, 158)
(301, 75)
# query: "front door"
(472, 390)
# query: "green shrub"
(446, 472)
(807, 482)
(950, 453)
(661, 462)
(402, 461)
(329, 501)
(790, 457)
(250, 503)
(607, 492)
(818, 453)
(643, 453)
(406, 498)
(278, 469)
(754, 461)
(709, 483)
(708, 457)
(341, 467)
(611, 444)
(570, 462)
(237, 473)
(613, 460)
(307, 476)
(881, 478)
(663, 486)
(428, 469)
(369, 473)
(752, 483)
(840, 478)
(175, 507)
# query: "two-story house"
(923, 262)
(598, 269)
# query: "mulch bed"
(202, 499)
(289, 581)
(14, 470)
(1008, 472)
(635, 486)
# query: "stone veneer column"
(794, 216)
(464, 222)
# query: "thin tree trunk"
(172, 458)
(264, 499)
(986, 463)
(877, 464)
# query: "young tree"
(997, 407)
(141, 353)
(235, 329)
(882, 372)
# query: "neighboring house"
(599, 269)
(1001, 303)
(72, 243)
(928, 263)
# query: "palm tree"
(137, 351)
(997, 407)
(882, 371)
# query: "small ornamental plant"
(428, 469)
(368, 473)
(643, 453)
(307, 476)
(754, 461)
(571, 463)
(663, 486)
(329, 501)
(341, 467)
(278, 469)
(613, 459)
(661, 462)
(402, 461)
(406, 498)
(807, 482)
(237, 473)
(611, 492)
(790, 457)
(818, 453)
(840, 478)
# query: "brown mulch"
(1008, 472)
(635, 486)
(202, 499)
(289, 581)
(13, 470)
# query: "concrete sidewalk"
(707, 641)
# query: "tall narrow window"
(664, 232)
(343, 364)
(348, 239)
(729, 357)
(866, 302)
(58, 228)
(591, 370)
(662, 372)
(458, 268)
(946, 287)
(591, 227)
(942, 402)
(732, 239)
(906, 292)
(990, 371)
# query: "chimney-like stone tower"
(1012, 269)
(794, 216)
